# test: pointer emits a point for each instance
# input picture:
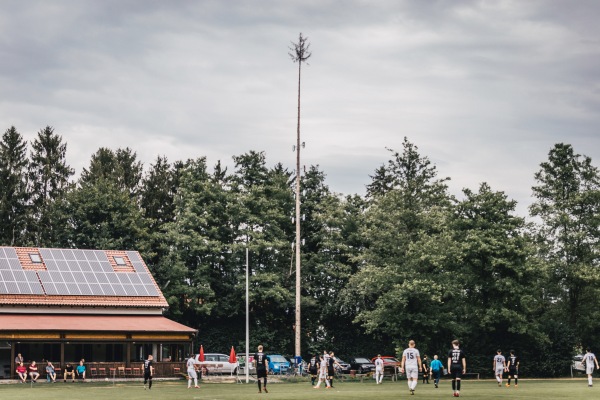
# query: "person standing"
(323, 373)
(148, 371)
(425, 369)
(331, 367)
(192, 372)
(313, 370)
(457, 366)
(513, 368)
(378, 369)
(19, 359)
(436, 370)
(411, 360)
(499, 366)
(589, 359)
(261, 363)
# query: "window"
(35, 258)
(120, 261)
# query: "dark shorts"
(147, 376)
(261, 372)
(513, 371)
(330, 372)
(313, 372)
(456, 372)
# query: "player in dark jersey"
(148, 371)
(262, 365)
(313, 370)
(457, 366)
(331, 363)
(513, 368)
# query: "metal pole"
(298, 324)
(247, 323)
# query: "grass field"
(488, 389)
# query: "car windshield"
(277, 359)
(362, 360)
(390, 359)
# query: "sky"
(483, 88)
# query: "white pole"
(247, 324)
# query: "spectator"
(22, 372)
(81, 370)
(19, 359)
(50, 373)
(33, 372)
(69, 371)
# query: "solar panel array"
(74, 273)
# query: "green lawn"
(488, 389)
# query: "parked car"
(389, 362)
(344, 366)
(278, 364)
(361, 364)
(217, 363)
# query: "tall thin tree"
(299, 52)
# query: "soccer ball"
(106, 379)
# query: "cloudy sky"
(483, 88)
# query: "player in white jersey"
(499, 366)
(589, 359)
(378, 369)
(411, 360)
(191, 371)
(323, 373)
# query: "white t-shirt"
(410, 358)
(589, 362)
(191, 364)
(378, 364)
(500, 362)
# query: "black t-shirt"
(514, 361)
(313, 366)
(456, 356)
(69, 368)
(260, 360)
(330, 364)
(147, 366)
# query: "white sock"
(498, 379)
(189, 383)
(589, 380)
(415, 384)
(195, 381)
(327, 382)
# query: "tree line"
(406, 261)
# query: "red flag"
(232, 357)
(201, 357)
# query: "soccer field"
(528, 389)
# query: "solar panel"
(10, 253)
(3, 289)
(4, 264)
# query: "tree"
(119, 166)
(13, 191)
(568, 204)
(49, 180)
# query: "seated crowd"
(31, 371)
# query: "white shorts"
(589, 369)
(379, 370)
(412, 372)
(323, 374)
(192, 373)
(499, 371)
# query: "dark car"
(361, 364)
(344, 366)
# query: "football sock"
(509, 381)
(453, 384)
(259, 384)
(516, 381)
(458, 385)
(589, 380)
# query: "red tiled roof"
(101, 323)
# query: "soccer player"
(457, 366)
(323, 373)
(513, 368)
(589, 359)
(148, 371)
(378, 369)
(261, 363)
(411, 359)
(436, 370)
(331, 363)
(425, 369)
(191, 371)
(313, 369)
(499, 366)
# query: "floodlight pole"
(247, 321)
(299, 53)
